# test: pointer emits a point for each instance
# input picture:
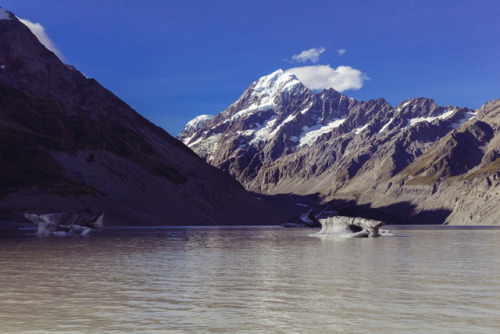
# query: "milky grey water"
(236, 280)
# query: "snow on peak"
(416, 120)
(205, 147)
(198, 122)
(467, 117)
(310, 134)
(386, 125)
(5, 15)
(360, 129)
(193, 126)
(277, 80)
(266, 89)
(404, 104)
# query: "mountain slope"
(280, 137)
(68, 143)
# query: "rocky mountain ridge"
(67, 143)
(418, 161)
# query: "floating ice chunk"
(76, 223)
(349, 227)
(385, 233)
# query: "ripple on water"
(253, 279)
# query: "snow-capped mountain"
(193, 126)
(274, 116)
(281, 137)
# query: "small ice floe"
(350, 227)
(309, 219)
(306, 220)
(385, 233)
(75, 223)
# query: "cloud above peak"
(39, 31)
(319, 77)
(309, 55)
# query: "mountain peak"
(68, 143)
(416, 101)
(5, 14)
(194, 125)
(276, 115)
(276, 80)
(265, 94)
(27, 65)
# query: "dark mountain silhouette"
(68, 143)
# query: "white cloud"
(39, 31)
(341, 51)
(323, 76)
(309, 55)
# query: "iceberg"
(75, 223)
(350, 227)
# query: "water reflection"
(252, 279)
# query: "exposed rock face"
(419, 161)
(66, 143)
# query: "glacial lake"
(253, 280)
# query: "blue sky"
(174, 60)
